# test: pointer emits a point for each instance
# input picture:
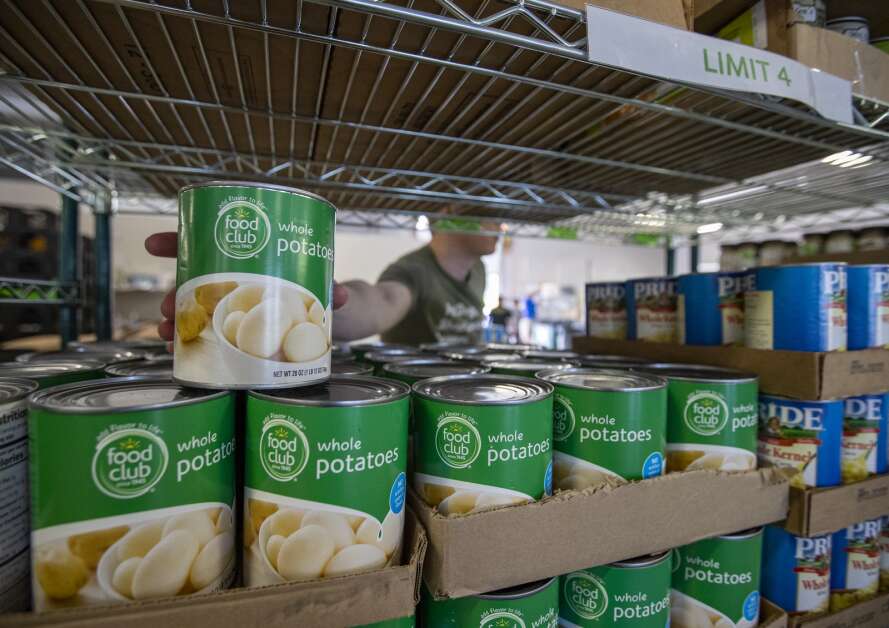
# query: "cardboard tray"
(797, 374)
(771, 615)
(816, 511)
(482, 552)
(870, 614)
(335, 603)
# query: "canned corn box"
(796, 571)
(15, 583)
(606, 308)
(628, 593)
(482, 441)
(651, 309)
(716, 582)
(711, 308)
(865, 432)
(325, 479)
(805, 435)
(534, 605)
(143, 505)
(254, 286)
(797, 308)
(712, 417)
(606, 424)
(868, 287)
(855, 564)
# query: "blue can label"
(864, 436)
(651, 309)
(796, 571)
(869, 306)
(855, 564)
(805, 435)
(711, 308)
(606, 306)
(797, 308)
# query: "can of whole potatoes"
(711, 308)
(629, 593)
(606, 310)
(865, 437)
(348, 367)
(379, 359)
(325, 479)
(620, 362)
(525, 367)
(360, 349)
(535, 604)
(412, 371)
(606, 424)
(482, 441)
(401, 622)
(54, 373)
(796, 571)
(651, 309)
(884, 553)
(797, 308)
(855, 564)
(15, 582)
(155, 368)
(716, 582)
(805, 435)
(254, 286)
(868, 306)
(146, 506)
(711, 417)
(117, 356)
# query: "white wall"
(365, 253)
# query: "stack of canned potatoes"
(263, 454)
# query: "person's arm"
(371, 309)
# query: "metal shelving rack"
(392, 109)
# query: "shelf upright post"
(102, 216)
(670, 254)
(695, 252)
(69, 268)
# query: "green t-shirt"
(442, 308)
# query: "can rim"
(802, 265)
(519, 591)
(220, 183)
(39, 399)
(26, 387)
(785, 398)
(648, 560)
(88, 366)
(402, 367)
(359, 369)
(545, 389)
(128, 369)
(742, 535)
(850, 18)
(523, 365)
(741, 377)
(655, 382)
(401, 391)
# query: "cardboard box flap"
(817, 511)
(579, 529)
(771, 615)
(870, 614)
(334, 603)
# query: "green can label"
(616, 595)
(539, 609)
(599, 434)
(254, 286)
(711, 425)
(716, 582)
(132, 505)
(473, 457)
(325, 489)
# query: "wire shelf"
(486, 108)
(38, 292)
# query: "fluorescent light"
(837, 158)
(861, 160)
(732, 195)
(847, 159)
(713, 227)
(422, 223)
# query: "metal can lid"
(435, 347)
(15, 388)
(120, 394)
(40, 370)
(254, 184)
(350, 367)
(643, 561)
(743, 534)
(434, 367)
(596, 359)
(698, 373)
(603, 379)
(506, 347)
(338, 351)
(108, 357)
(546, 354)
(377, 346)
(850, 18)
(395, 355)
(523, 365)
(118, 345)
(483, 389)
(148, 368)
(807, 401)
(518, 592)
(340, 391)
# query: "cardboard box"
(579, 529)
(675, 13)
(771, 615)
(817, 511)
(871, 614)
(334, 603)
(796, 374)
(711, 15)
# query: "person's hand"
(164, 245)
